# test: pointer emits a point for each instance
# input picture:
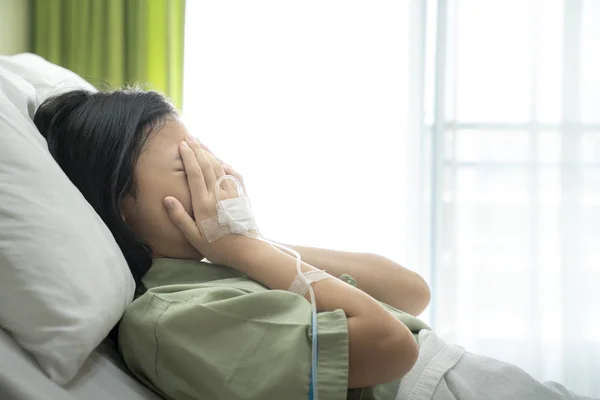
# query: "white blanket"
(448, 372)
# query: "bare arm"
(376, 275)
(381, 348)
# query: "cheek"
(176, 187)
(181, 191)
(151, 216)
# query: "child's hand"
(226, 167)
(203, 171)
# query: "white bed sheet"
(103, 377)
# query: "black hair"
(96, 138)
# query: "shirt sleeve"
(222, 343)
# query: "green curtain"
(113, 43)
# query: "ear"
(128, 206)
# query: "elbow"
(405, 290)
(402, 351)
(422, 296)
(394, 355)
(381, 350)
(414, 294)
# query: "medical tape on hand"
(303, 282)
(233, 215)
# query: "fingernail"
(169, 202)
(184, 144)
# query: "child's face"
(159, 173)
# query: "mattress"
(103, 377)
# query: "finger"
(195, 176)
(190, 139)
(226, 184)
(230, 171)
(205, 164)
(225, 168)
(183, 221)
(225, 165)
(218, 168)
(205, 147)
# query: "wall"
(14, 29)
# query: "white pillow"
(64, 282)
(46, 78)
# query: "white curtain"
(512, 125)
(460, 138)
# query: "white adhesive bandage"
(301, 285)
(233, 215)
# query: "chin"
(184, 251)
(189, 254)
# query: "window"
(513, 118)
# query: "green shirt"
(205, 331)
